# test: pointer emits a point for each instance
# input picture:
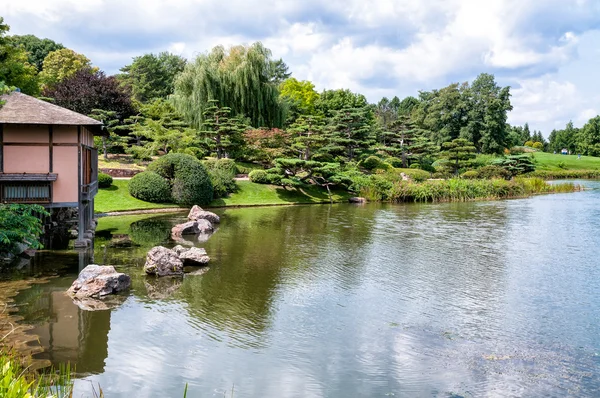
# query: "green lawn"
(117, 198)
(251, 194)
(549, 161)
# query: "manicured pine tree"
(459, 152)
(350, 132)
(224, 132)
(307, 133)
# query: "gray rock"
(93, 304)
(180, 249)
(204, 226)
(194, 212)
(188, 228)
(161, 261)
(357, 200)
(194, 256)
(98, 281)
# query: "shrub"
(259, 176)
(489, 172)
(470, 175)
(195, 152)
(20, 223)
(395, 162)
(150, 187)
(561, 165)
(373, 162)
(538, 145)
(416, 175)
(529, 144)
(189, 179)
(104, 180)
(415, 166)
(222, 174)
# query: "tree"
(589, 138)
(61, 64)
(111, 122)
(152, 76)
(264, 145)
(87, 90)
(350, 132)
(488, 106)
(526, 134)
(15, 70)
(20, 223)
(301, 96)
(386, 112)
(278, 71)
(224, 131)
(240, 79)
(565, 138)
(331, 101)
(37, 49)
(407, 105)
(307, 135)
(459, 153)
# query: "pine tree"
(459, 153)
(225, 132)
(349, 133)
(308, 135)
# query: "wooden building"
(47, 157)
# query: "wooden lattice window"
(25, 192)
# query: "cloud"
(380, 47)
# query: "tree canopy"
(37, 49)
(60, 65)
(15, 69)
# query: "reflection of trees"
(67, 333)
(151, 232)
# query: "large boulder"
(161, 261)
(194, 256)
(188, 228)
(98, 281)
(204, 226)
(196, 213)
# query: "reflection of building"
(69, 334)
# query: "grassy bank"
(117, 198)
(565, 174)
(251, 194)
(551, 162)
(456, 190)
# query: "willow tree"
(239, 78)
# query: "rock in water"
(194, 256)
(196, 213)
(357, 200)
(188, 228)
(204, 226)
(180, 249)
(161, 261)
(98, 281)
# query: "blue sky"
(548, 51)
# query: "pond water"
(461, 299)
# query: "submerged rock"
(194, 256)
(161, 261)
(98, 281)
(161, 288)
(93, 304)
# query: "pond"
(494, 298)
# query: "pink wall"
(27, 159)
(65, 165)
(26, 133)
(64, 134)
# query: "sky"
(547, 51)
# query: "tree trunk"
(104, 150)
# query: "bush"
(150, 187)
(470, 175)
(416, 175)
(489, 172)
(222, 174)
(190, 181)
(195, 152)
(259, 176)
(373, 162)
(538, 145)
(20, 223)
(395, 162)
(561, 165)
(529, 144)
(104, 180)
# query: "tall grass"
(460, 190)
(565, 174)
(17, 382)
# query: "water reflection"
(470, 299)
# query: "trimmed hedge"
(104, 180)
(258, 176)
(190, 181)
(150, 187)
(222, 174)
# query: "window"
(23, 192)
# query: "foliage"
(189, 180)
(61, 64)
(470, 175)
(349, 133)
(152, 76)
(373, 162)
(15, 70)
(308, 136)
(459, 153)
(300, 95)
(332, 101)
(111, 142)
(37, 49)
(561, 165)
(222, 174)
(491, 171)
(516, 164)
(264, 145)
(589, 138)
(566, 138)
(240, 79)
(565, 174)
(538, 145)
(86, 90)
(259, 176)
(20, 224)
(104, 180)
(223, 131)
(150, 187)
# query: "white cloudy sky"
(547, 50)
